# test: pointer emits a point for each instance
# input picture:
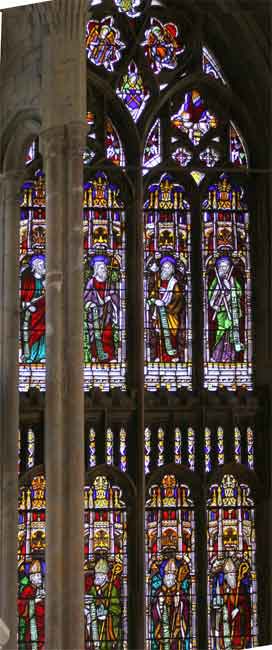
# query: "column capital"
(53, 141)
(10, 183)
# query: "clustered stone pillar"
(9, 397)
(63, 139)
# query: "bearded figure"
(31, 609)
(166, 303)
(170, 607)
(101, 305)
(33, 311)
(225, 294)
(231, 607)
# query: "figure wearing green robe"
(225, 295)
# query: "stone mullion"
(137, 618)
(9, 396)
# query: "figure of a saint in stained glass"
(167, 285)
(167, 317)
(227, 295)
(105, 550)
(33, 310)
(170, 588)
(231, 607)
(162, 45)
(103, 610)
(170, 604)
(103, 43)
(31, 608)
(101, 305)
(232, 589)
(104, 284)
(193, 118)
(31, 565)
(226, 300)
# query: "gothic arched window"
(232, 591)
(31, 562)
(32, 352)
(170, 566)
(106, 565)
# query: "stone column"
(9, 397)
(63, 140)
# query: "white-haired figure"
(33, 311)
(225, 295)
(101, 304)
(166, 301)
(231, 606)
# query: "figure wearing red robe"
(33, 311)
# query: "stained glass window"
(182, 156)
(103, 43)
(123, 450)
(105, 563)
(133, 92)
(167, 286)
(32, 284)
(207, 450)
(92, 449)
(237, 445)
(193, 118)
(232, 591)
(227, 288)
(32, 152)
(210, 66)
(152, 151)
(30, 448)
(250, 448)
(178, 456)
(31, 565)
(113, 145)
(162, 45)
(109, 447)
(129, 7)
(209, 156)
(170, 567)
(191, 448)
(220, 446)
(147, 449)
(104, 289)
(161, 437)
(238, 154)
(89, 153)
